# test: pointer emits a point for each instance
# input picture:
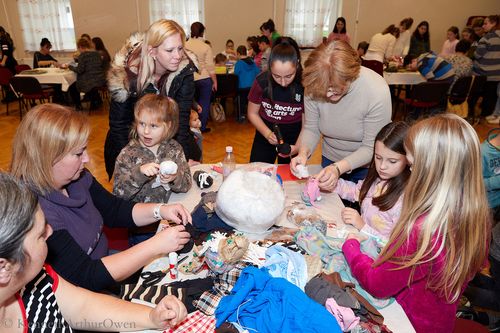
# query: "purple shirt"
(426, 309)
(78, 215)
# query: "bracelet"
(156, 212)
(337, 168)
(269, 135)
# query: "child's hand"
(357, 236)
(352, 217)
(168, 313)
(165, 179)
(150, 169)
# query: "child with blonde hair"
(441, 238)
(137, 168)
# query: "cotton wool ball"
(250, 201)
(168, 168)
(302, 171)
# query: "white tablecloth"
(410, 78)
(329, 207)
(64, 77)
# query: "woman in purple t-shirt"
(277, 98)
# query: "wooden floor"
(238, 135)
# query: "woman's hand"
(352, 217)
(168, 313)
(165, 179)
(271, 138)
(300, 159)
(176, 213)
(150, 169)
(327, 178)
(170, 239)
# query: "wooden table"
(64, 77)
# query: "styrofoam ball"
(168, 168)
(302, 171)
(250, 201)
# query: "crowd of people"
(419, 186)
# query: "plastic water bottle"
(229, 162)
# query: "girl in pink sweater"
(440, 240)
(380, 193)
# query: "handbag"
(217, 112)
(462, 109)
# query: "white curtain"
(47, 18)
(308, 21)
(184, 12)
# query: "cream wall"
(376, 15)
(114, 20)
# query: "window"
(184, 12)
(309, 21)
(47, 18)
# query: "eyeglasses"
(331, 92)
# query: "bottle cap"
(229, 149)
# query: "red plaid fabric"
(195, 322)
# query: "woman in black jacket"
(155, 62)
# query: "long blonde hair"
(446, 186)
(156, 34)
(46, 134)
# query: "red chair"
(374, 65)
(22, 67)
(469, 326)
(426, 95)
(5, 76)
(28, 90)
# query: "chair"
(28, 89)
(22, 67)
(374, 65)
(227, 87)
(476, 91)
(467, 326)
(460, 90)
(5, 76)
(426, 95)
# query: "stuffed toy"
(203, 179)
(166, 168)
(310, 193)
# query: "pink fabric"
(345, 316)
(426, 310)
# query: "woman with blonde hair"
(441, 239)
(345, 103)
(76, 206)
(154, 62)
(34, 298)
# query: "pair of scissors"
(152, 278)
